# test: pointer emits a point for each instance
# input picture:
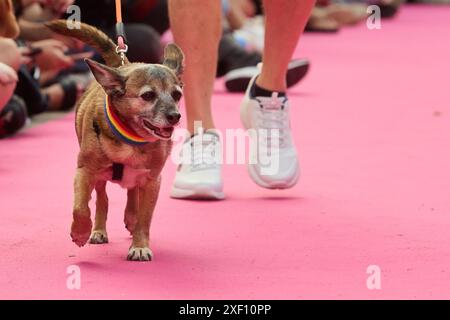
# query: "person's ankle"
(272, 85)
(200, 130)
(258, 90)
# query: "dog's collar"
(120, 130)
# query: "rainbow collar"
(120, 130)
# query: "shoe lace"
(204, 153)
(272, 116)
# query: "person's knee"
(9, 53)
(6, 92)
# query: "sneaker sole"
(238, 80)
(198, 194)
(280, 185)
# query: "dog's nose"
(173, 117)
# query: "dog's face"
(145, 96)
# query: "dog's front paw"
(81, 230)
(140, 254)
(98, 237)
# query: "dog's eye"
(176, 95)
(148, 96)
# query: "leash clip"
(122, 52)
(121, 49)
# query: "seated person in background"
(331, 15)
(47, 83)
(9, 53)
(42, 66)
(12, 109)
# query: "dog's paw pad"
(98, 237)
(140, 254)
(80, 239)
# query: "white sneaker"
(199, 176)
(273, 162)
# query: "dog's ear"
(109, 78)
(174, 58)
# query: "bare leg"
(9, 53)
(196, 25)
(99, 234)
(285, 21)
(10, 56)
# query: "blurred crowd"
(41, 71)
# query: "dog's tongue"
(167, 131)
(163, 132)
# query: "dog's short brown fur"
(145, 97)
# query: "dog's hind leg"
(99, 234)
(82, 224)
(130, 218)
(148, 195)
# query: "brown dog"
(124, 123)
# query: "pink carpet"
(371, 122)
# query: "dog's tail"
(91, 36)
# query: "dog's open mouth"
(162, 133)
